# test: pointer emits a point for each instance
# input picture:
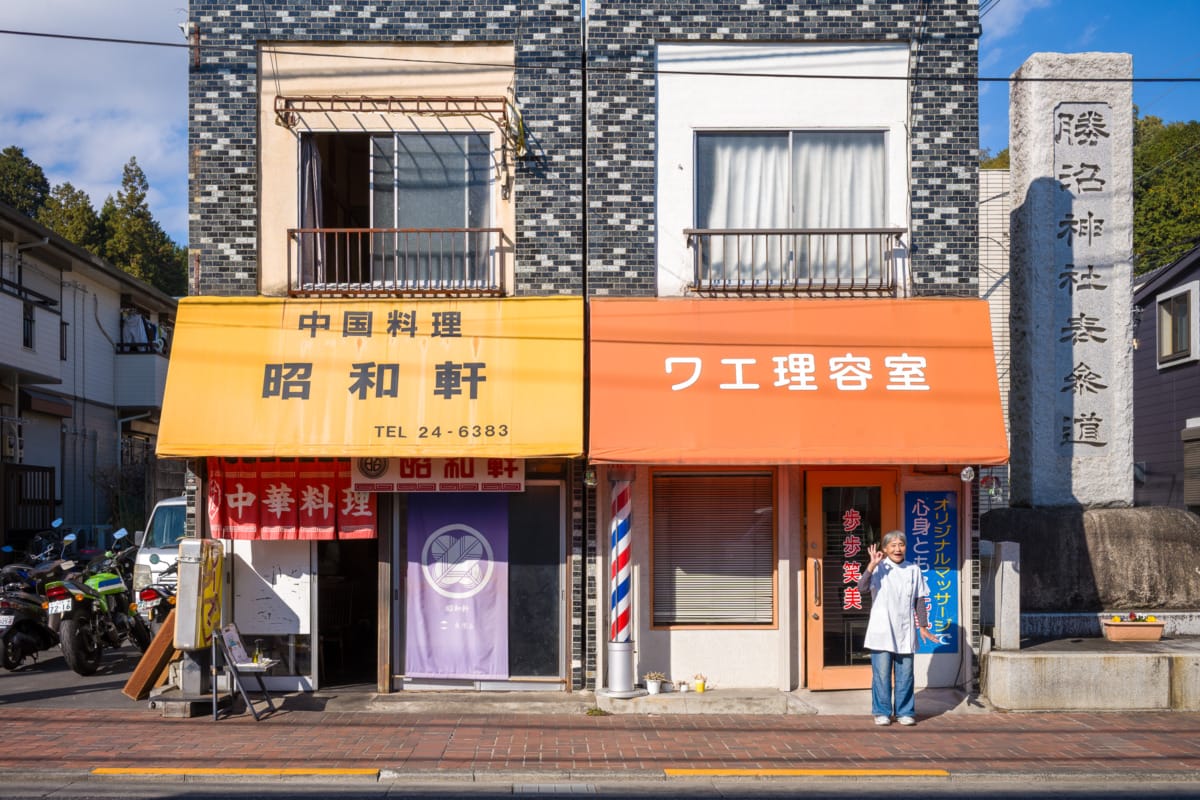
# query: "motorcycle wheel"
(78, 647)
(10, 656)
(140, 633)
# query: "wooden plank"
(153, 663)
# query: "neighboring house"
(399, 215)
(792, 357)
(83, 365)
(1166, 385)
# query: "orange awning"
(772, 381)
(270, 377)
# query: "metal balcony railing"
(796, 261)
(386, 261)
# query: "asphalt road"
(50, 683)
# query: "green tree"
(23, 185)
(1166, 191)
(133, 239)
(69, 213)
(998, 161)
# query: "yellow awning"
(273, 377)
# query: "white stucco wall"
(740, 98)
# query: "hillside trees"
(124, 232)
(1166, 191)
(135, 241)
(23, 185)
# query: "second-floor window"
(1177, 325)
(782, 206)
(27, 337)
(405, 210)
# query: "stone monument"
(1071, 403)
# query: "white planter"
(653, 687)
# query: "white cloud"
(81, 109)
(1005, 18)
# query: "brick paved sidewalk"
(1165, 744)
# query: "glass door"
(847, 511)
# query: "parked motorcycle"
(24, 623)
(93, 609)
(156, 600)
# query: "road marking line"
(922, 773)
(229, 771)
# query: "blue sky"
(1162, 36)
(81, 109)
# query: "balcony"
(357, 262)
(795, 262)
(141, 377)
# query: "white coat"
(896, 590)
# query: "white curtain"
(838, 180)
(812, 180)
(743, 183)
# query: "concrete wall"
(1140, 559)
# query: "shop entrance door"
(534, 592)
(847, 511)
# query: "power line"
(949, 79)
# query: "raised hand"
(875, 554)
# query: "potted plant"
(654, 681)
(700, 682)
(1133, 627)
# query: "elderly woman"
(898, 593)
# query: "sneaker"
(907, 721)
(882, 720)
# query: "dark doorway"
(346, 612)
(534, 582)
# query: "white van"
(158, 545)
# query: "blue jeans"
(883, 665)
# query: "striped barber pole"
(621, 601)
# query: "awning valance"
(273, 377)
(775, 381)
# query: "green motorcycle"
(94, 609)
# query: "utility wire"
(947, 79)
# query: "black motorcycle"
(156, 600)
(24, 623)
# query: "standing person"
(898, 593)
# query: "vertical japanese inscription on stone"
(1084, 261)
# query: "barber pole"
(620, 568)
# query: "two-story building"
(507, 346)
(82, 373)
(381, 381)
(785, 198)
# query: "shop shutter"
(713, 549)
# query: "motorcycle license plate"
(6, 620)
(146, 608)
(59, 606)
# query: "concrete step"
(1094, 674)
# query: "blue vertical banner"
(931, 525)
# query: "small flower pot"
(700, 686)
(683, 687)
(653, 687)
(1132, 631)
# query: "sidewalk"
(475, 737)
